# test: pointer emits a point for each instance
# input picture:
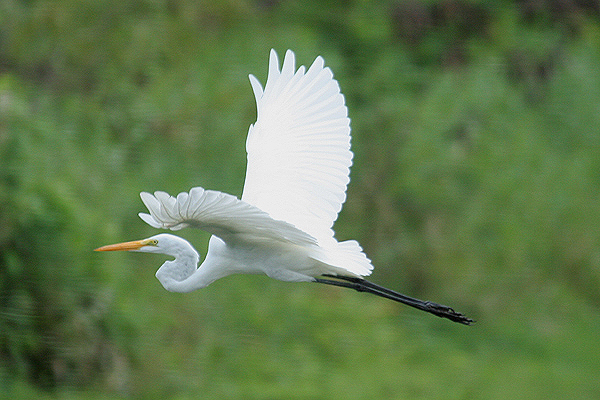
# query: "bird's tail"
(347, 257)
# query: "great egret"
(298, 169)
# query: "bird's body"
(298, 170)
(266, 257)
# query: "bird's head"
(161, 244)
(172, 274)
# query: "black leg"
(363, 285)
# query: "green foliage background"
(475, 184)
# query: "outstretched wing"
(299, 148)
(220, 214)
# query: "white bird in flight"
(298, 169)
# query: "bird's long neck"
(183, 275)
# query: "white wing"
(220, 214)
(234, 220)
(299, 148)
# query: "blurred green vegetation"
(476, 132)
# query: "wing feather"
(220, 214)
(299, 148)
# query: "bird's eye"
(153, 242)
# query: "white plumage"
(298, 165)
(299, 148)
(298, 169)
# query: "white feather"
(218, 213)
(299, 148)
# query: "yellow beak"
(134, 245)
